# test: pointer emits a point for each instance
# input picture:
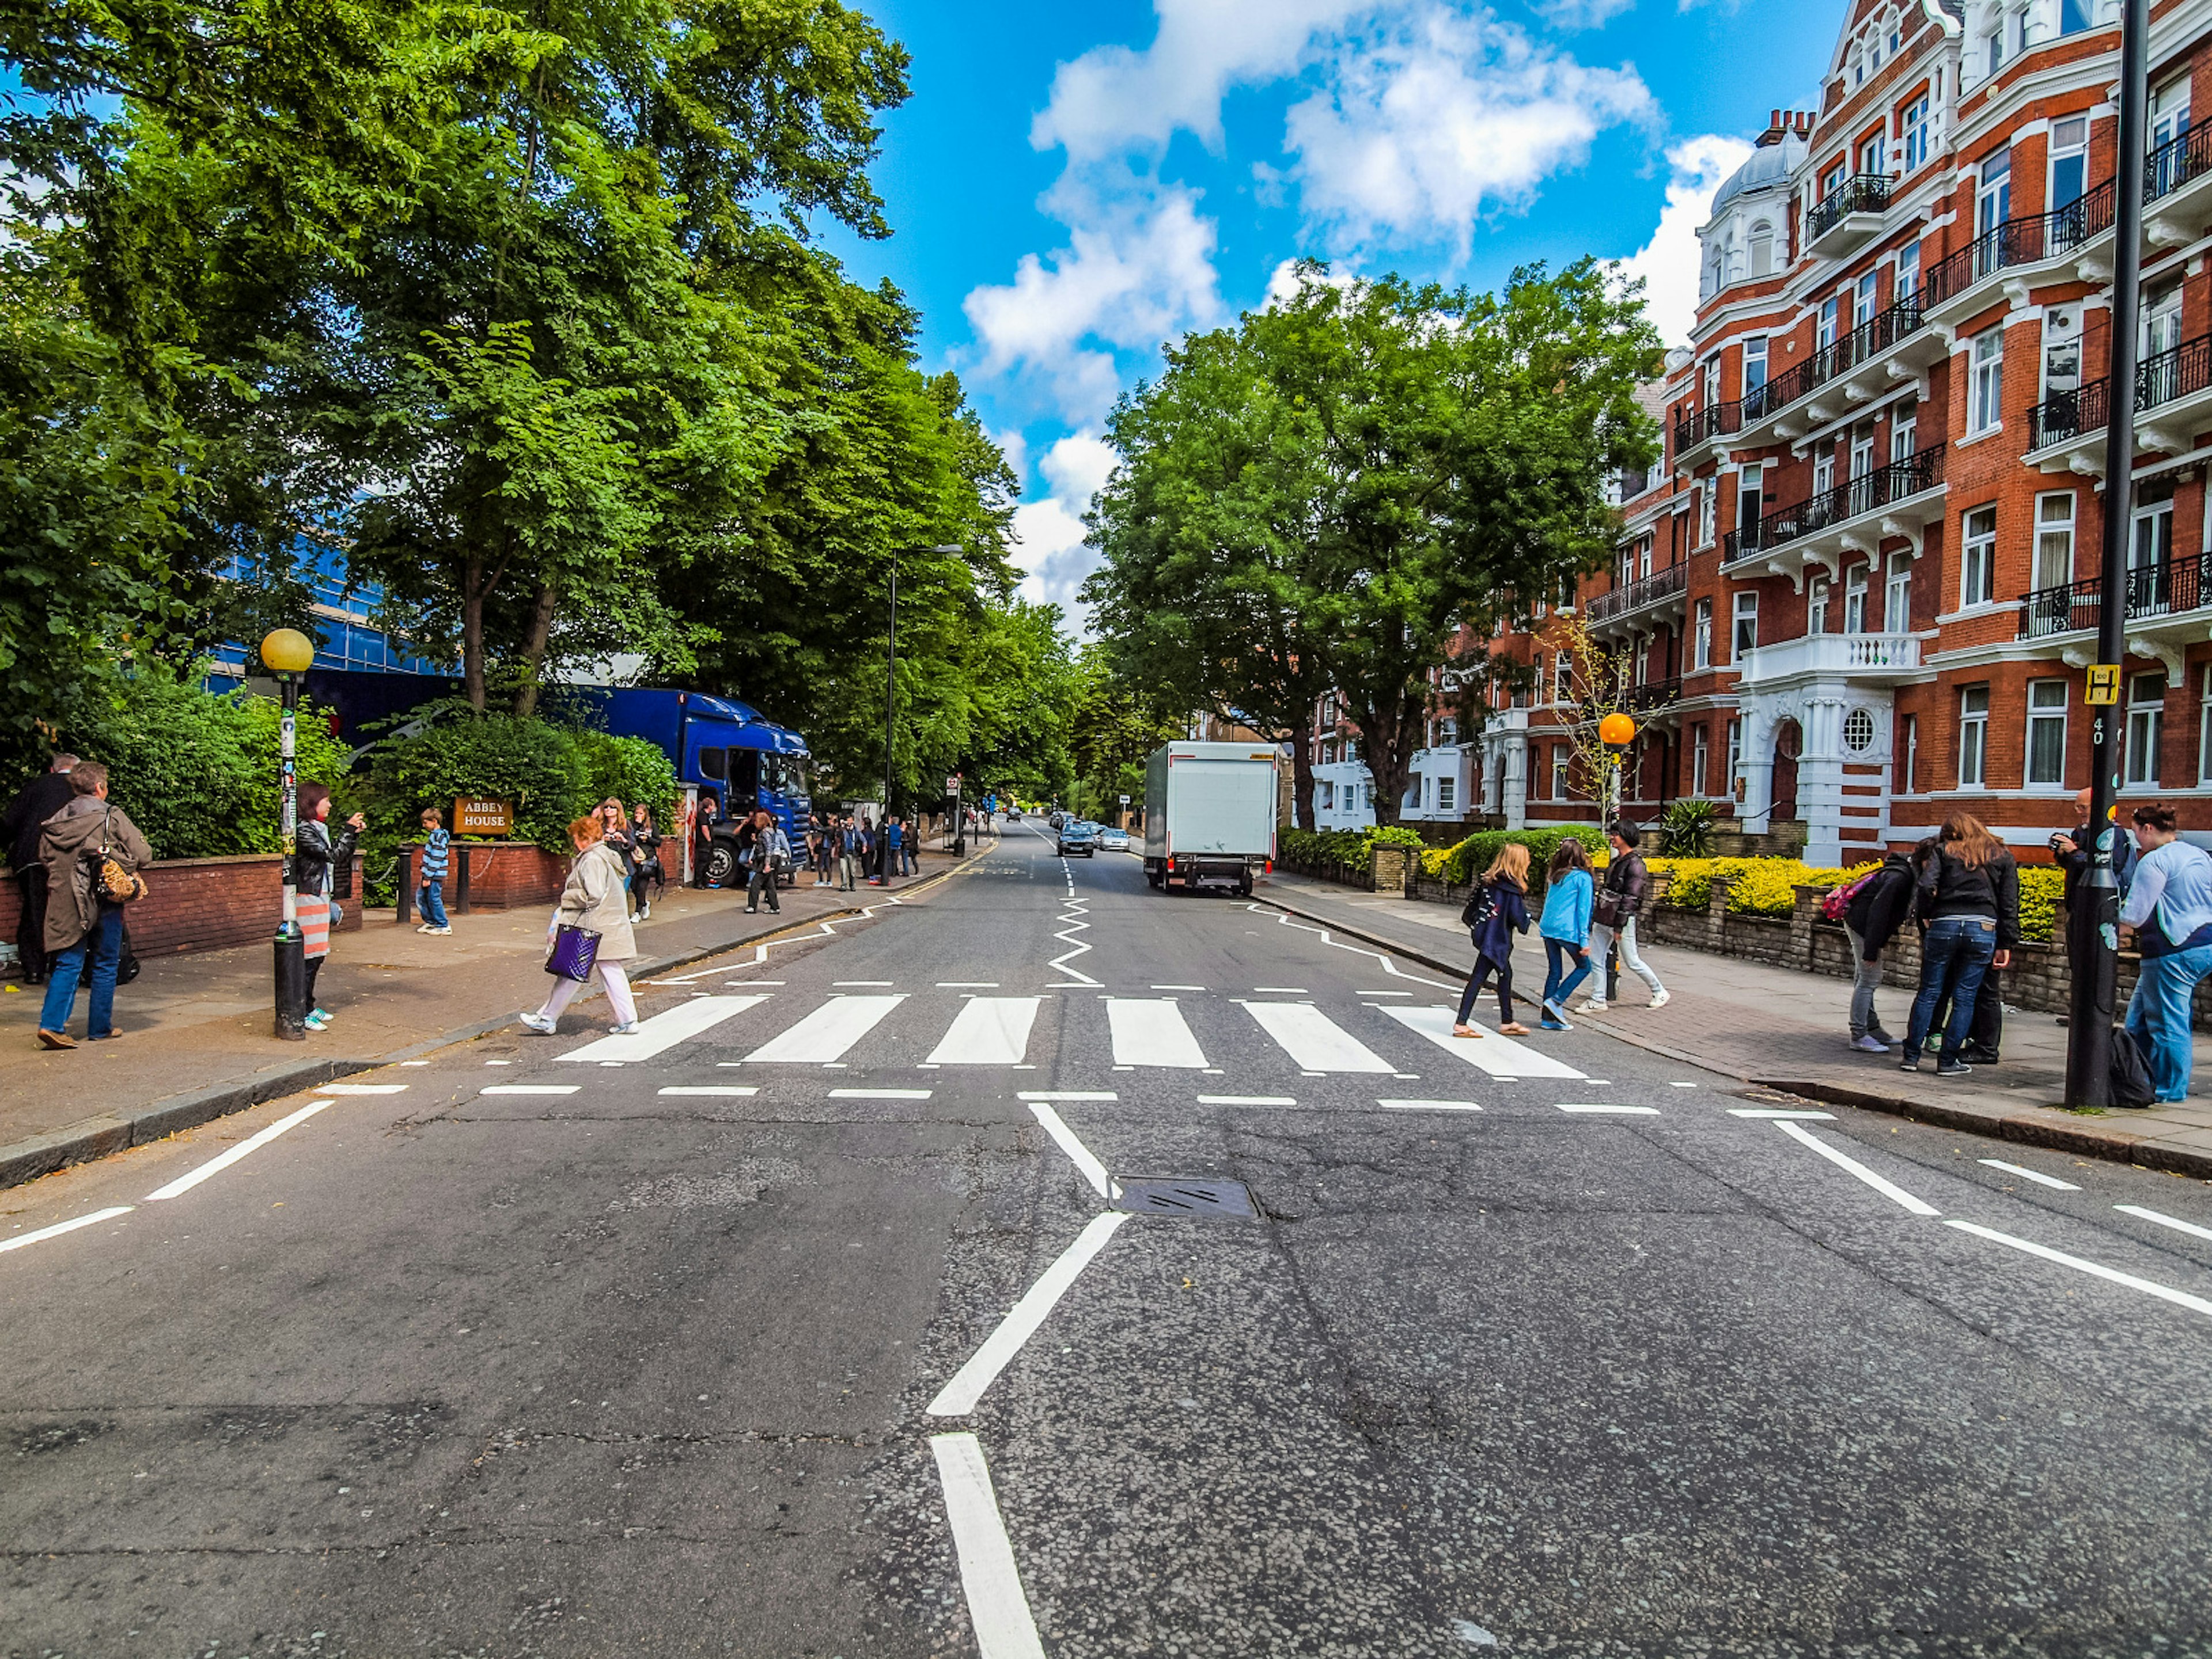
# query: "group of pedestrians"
(1582, 922)
(844, 850)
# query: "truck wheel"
(1152, 879)
(721, 864)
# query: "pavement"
(197, 1040)
(1789, 1031)
(1045, 1266)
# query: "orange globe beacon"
(1618, 730)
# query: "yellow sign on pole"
(2103, 683)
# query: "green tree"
(1330, 490)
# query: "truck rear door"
(1221, 807)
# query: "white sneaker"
(442, 933)
(537, 1022)
(628, 1028)
(1661, 999)
(426, 928)
(1595, 1005)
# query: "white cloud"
(1049, 533)
(1668, 262)
(1426, 120)
(1112, 98)
(1586, 14)
(1013, 443)
(1135, 272)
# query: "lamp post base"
(292, 987)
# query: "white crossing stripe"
(879, 1094)
(2179, 1226)
(1314, 1041)
(1882, 1184)
(1149, 1031)
(2097, 1269)
(1769, 1111)
(531, 1089)
(1500, 1056)
(1247, 1100)
(61, 1227)
(2026, 1174)
(712, 1089)
(1430, 1105)
(828, 1031)
(254, 1142)
(1606, 1109)
(988, 1031)
(364, 1088)
(665, 1029)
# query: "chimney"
(1785, 124)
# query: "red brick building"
(1860, 589)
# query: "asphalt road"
(796, 1329)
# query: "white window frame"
(1985, 382)
(1558, 771)
(1447, 792)
(1856, 581)
(2054, 539)
(1913, 124)
(1973, 737)
(1897, 595)
(1703, 654)
(2146, 732)
(1701, 743)
(1978, 557)
(1744, 611)
(2204, 727)
(1816, 605)
(1911, 756)
(2047, 715)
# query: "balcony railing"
(2174, 163)
(1869, 339)
(2154, 590)
(1865, 494)
(1655, 693)
(2021, 242)
(1648, 590)
(2173, 374)
(1863, 192)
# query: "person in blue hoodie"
(1564, 929)
(1497, 911)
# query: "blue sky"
(1073, 186)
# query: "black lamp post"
(287, 653)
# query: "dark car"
(1077, 836)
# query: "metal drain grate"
(1166, 1195)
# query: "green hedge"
(1352, 848)
(1470, 858)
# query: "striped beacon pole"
(1616, 731)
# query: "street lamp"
(1616, 731)
(287, 653)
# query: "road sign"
(2103, 683)
(1125, 800)
(475, 816)
(952, 784)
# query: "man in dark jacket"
(1621, 897)
(2072, 853)
(1876, 911)
(37, 800)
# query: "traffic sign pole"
(2093, 920)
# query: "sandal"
(1465, 1031)
(1513, 1028)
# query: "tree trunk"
(472, 632)
(534, 646)
(1301, 778)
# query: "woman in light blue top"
(1565, 928)
(2169, 904)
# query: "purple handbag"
(575, 950)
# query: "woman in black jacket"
(1871, 920)
(317, 851)
(645, 865)
(1968, 897)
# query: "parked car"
(1077, 836)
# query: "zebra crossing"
(1206, 1035)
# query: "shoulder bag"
(112, 882)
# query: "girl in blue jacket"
(1497, 910)
(1565, 928)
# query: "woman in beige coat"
(595, 899)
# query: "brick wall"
(198, 904)
(508, 875)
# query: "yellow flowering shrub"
(1764, 887)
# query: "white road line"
(364, 1088)
(1606, 1110)
(879, 1094)
(1430, 1105)
(1178, 988)
(733, 984)
(2148, 1287)
(987, 1031)
(252, 1143)
(966, 985)
(1066, 1094)
(713, 1089)
(1382, 994)
(1500, 1056)
(997, 1609)
(882, 984)
(1246, 1100)
(1842, 1160)
(61, 1227)
(1149, 1031)
(531, 1089)
(1314, 1041)
(824, 1035)
(2179, 1226)
(1281, 990)
(666, 1029)
(958, 1397)
(1768, 1111)
(1283, 919)
(2036, 1175)
(1078, 1154)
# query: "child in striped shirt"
(436, 841)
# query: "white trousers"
(612, 976)
(1600, 940)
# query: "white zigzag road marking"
(1077, 910)
(1389, 967)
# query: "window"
(1831, 182)
(1858, 731)
(2161, 332)
(2069, 160)
(1328, 796)
(1448, 730)
(1735, 756)
(1824, 469)
(1762, 249)
(1993, 202)
(1746, 623)
(1973, 736)
(1874, 155)
(1908, 274)
(1825, 338)
(1560, 682)
(2169, 122)
(1446, 794)
(1854, 599)
(1702, 655)
(2054, 540)
(2146, 728)
(1750, 504)
(1915, 129)
(1862, 308)
(2046, 731)
(1903, 431)
(2204, 727)
(1708, 506)
(1816, 605)
(1985, 391)
(1700, 744)
(1754, 365)
(2073, 17)
(2150, 550)
(1560, 772)
(1993, 48)
(1978, 569)
(1908, 759)
(1712, 380)
(2061, 351)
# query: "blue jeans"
(2158, 1017)
(434, 901)
(103, 944)
(1953, 955)
(1558, 984)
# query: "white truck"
(1209, 815)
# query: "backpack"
(1840, 899)
(2129, 1076)
(1480, 903)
